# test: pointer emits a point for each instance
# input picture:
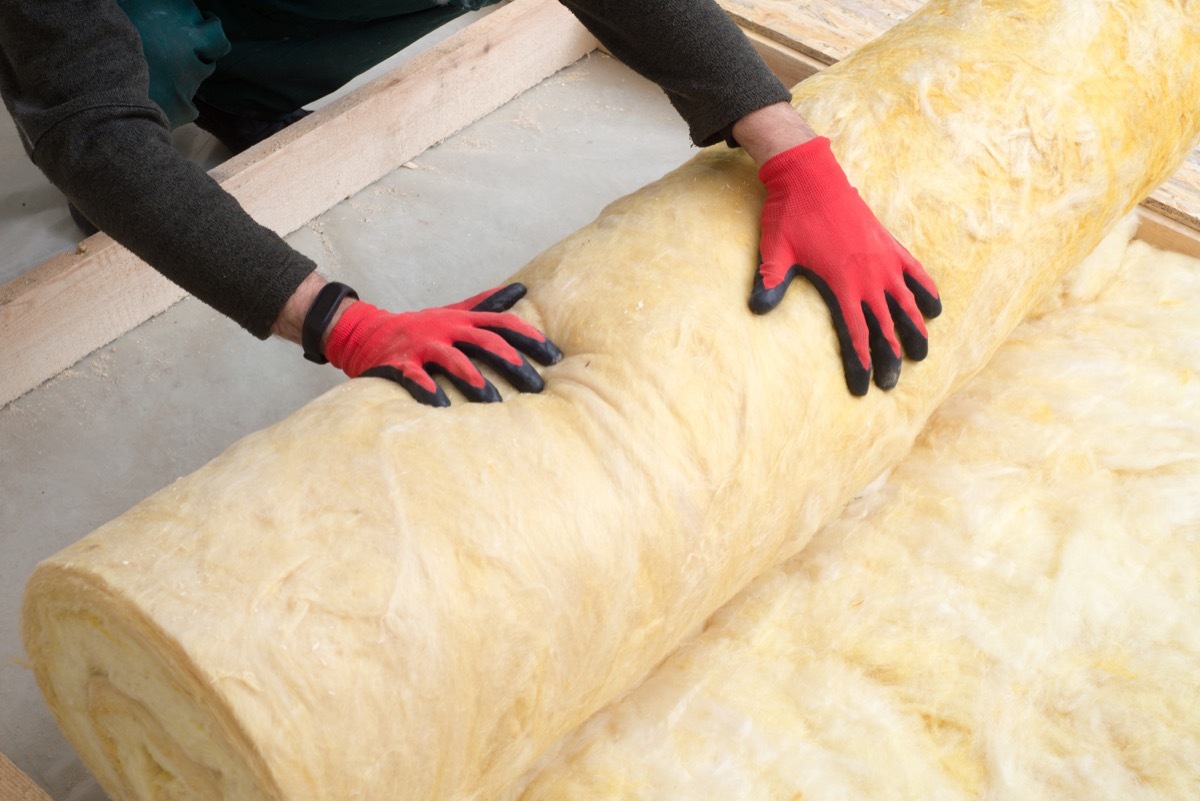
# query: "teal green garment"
(263, 59)
(182, 46)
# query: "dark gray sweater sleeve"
(73, 76)
(694, 51)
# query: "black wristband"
(319, 315)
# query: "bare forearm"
(290, 322)
(771, 130)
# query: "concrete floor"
(167, 397)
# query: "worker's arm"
(409, 348)
(74, 78)
(814, 223)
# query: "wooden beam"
(789, 65)
(16, 786)
(825, 30)
(1161, 225)
(65, 308)
(797, 40)
(1161, 231)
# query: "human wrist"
(353, 325)
(289, 324)
(811, 164)
(337, 316)
(771, 130)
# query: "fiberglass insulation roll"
(1011, 615)
(428, 607)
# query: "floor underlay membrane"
(173, 393)
(1007, 614)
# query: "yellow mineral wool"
(425, 609)
(1010, 616)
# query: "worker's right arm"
(74, 78)
(411, 347)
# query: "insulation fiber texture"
(1010, 615)
(449, 593)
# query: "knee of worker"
(181, 45)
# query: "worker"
(95, 87)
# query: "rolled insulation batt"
(1010, 616)
(377, 600)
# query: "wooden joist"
(16, 786)
(1167, 233)
(826, 31)
(790, 65)
(65, 308)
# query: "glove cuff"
(351, 330)
(810, 164)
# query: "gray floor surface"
(170, 395)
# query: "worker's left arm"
(814, 223)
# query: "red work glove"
(815, 224)
(407, 348)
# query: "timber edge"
(16, 786)
(65, 308)
(68, 306)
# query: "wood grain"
(826, 31)
(790, 65)
(66, 307)
(1167, 233)
(16, 786)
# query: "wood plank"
(16, 786)
(826, 31)
(791, 66)
(65, 308)
(1166, 233)
(1179, 197)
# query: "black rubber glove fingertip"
(553, 354)
(763, 300)
(887, 373)
(487, 393)
(437, 399)
(858, 380)
(917, 348)
(930, 307)
(502, 299)
(884, 360)
(522, 376)
(929, 304)
(543, 351)
(534, 384)
(914, 343)
(420, 394)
